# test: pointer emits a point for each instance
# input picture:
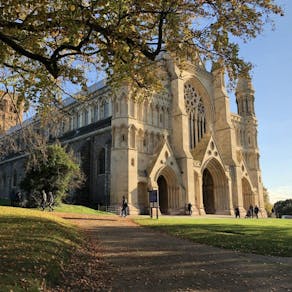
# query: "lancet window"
(196, 113)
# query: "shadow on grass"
(264, 240)
(33, 249)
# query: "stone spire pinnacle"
(245, 96)
(244, 84)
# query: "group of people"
(251, 212)
(18, 199)
(47, 200)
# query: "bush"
(283, 208)
(56, 171)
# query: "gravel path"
(144, 260)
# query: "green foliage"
(53, 170)
(35, 248)
(44, 43)
(283, 207)
(260, 236)
(268, 205)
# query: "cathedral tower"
(245, 97)
(248, 136)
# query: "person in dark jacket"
(237, 213)
(256, 211)
(124, 207)
(190, 209)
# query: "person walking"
(251, 210)
(237, 213)
(124, 207)
(50, 201)
(190, 209)
(256, 211)
(44, 200)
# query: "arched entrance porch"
(170, 200)
(163, 195)
(247, 194)
(215, 189)
(208, 192)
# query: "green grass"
(66, 208)
(78, 209)
(34, 247)
(263, 236)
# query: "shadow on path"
(144, 260)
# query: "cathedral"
(183, 142)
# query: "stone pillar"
(181, 137)
(230, 198)
(199, 189)
(237, 192)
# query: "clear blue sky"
(271, 53)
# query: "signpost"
(154, 202)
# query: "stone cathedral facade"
(183, 142)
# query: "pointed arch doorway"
(208, 192)
(163, 194)
(170, 195)
(215, 189)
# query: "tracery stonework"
(184, 142)
(196, 111)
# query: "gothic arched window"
(196, 113)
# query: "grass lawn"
(66, 208)
(78, 209)
(34, 248)
(262, 236)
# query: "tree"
(45, 43)
(56, 171)
(283, 208)
(268, 205)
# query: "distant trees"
(268, 205)
(55, 170)
(283, 208)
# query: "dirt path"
(139, 259)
